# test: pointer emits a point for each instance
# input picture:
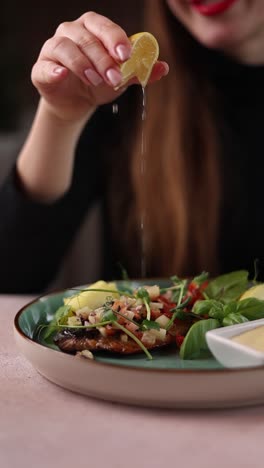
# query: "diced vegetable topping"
(151, 316)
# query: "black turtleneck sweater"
(241, 111)
(34, 237)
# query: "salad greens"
(194, 344)
(228, 287)
(182, 312)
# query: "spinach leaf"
(194, 344)
(228, 287)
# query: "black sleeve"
(34, 237)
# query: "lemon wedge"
(145, 53)
(256, 291)
(92, 299)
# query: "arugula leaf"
(194, 344)
(228, 287)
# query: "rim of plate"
(119, 366)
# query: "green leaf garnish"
(211, 307)
(194, 344)
(228, 287)
(143, 294)
(234, 319)
(200, 279)
(150, 324)
(176, 280)
(252, 308)
(108, 314)
(60, 318)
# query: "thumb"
(48, 73)
(160, 70)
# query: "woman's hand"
(78, 68)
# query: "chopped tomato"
(137, 315)
(110, 331)
(138, 334)
(195, 292)
(155, 313)
(167, 305)
(194, 286)
(179, 340)
(131, 327)
(121, 320)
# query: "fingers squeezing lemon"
(145, 53)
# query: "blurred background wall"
(24, 27)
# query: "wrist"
(60, 118)
(45, 164)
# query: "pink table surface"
(42, 425)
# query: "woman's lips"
(212, 9)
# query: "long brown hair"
(178, 194)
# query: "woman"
(197, 204)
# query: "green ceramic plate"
(166, 381)
(42, 312)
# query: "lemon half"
(92, 299)
(256, 291)
(145, 53)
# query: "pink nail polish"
(93, 76)
(114, 76)
(123, 52)
(58, 70)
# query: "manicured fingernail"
(123, 52)
(93, 77)
(114, 76)
(166, 68)
(58, 70)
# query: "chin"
(217, 38)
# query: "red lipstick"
(212, 9)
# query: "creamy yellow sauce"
(253, 338)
